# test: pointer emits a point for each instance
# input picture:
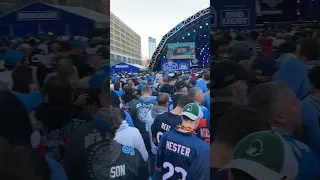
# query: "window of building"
(117, 44)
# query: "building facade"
(102, 6)
(152, 46)
(125, 44)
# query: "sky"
(155, 18)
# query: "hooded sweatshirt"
(130, 136)
(314, 99)
(295, 73)
(156, 109)
(140, 109)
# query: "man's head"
(263, 155)
(183, 101)
(196, 94)
(238, 122)
(65, 67)
(265, 67)
(181, 87)
(163, 100)
(277, 102)
(98, 54)
(191, 115)
(309, 50)
(146, 91)
(77, 47)
(229, 81)
(58, 91)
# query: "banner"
(38, 15)
(233, 14)
(181, 50)
(175, 65)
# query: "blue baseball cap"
(30, 101)
(99, 76)
(12, 57)
(150, 79)
(76, 44)
(114, 79)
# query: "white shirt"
(131, 136)
(149, 122)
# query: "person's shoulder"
(131, 154)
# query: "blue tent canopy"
(124, 67)
(40, 17)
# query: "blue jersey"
(309, 164)
(200, 168)
(176, 152)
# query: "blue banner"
(233, 14)
(175, 65)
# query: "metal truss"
(186, 22)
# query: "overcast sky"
(154, 18)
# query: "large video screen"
(181, 50)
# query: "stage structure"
(195, 29)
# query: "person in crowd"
(238, 122)
(160, 107)
(265, 68)
(58, 116)
(295, 74)
(286, 51)
(139, 111)
(127, 97)
(181, 88)
(263, 155)
(22, 80)
(22, 163)
(174, 162)
(202, 82)
(199, 168)
(309, 52)
(19, 126)
(129, 136)
(283, 112)
(192, 83)
(93, 158)
(185, 78)
(229, 88)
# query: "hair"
(115, 119)
(236, 123)
(59, 91)
(145, 89)
(194, 92)
(163, 98)
(128, 90)
(269, 97)
(287, 47)
(240, 175)
(184, 100)
(22, 163)
(310, 48)
(22, 78)
(117, 86)
(206, 76)
(226, 91)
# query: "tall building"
(125, 44)
(152, 46)
(101, 6)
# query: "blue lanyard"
(101, 123)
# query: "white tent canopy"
(142, 68)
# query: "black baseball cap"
(264, 65)
(179, 85)
(227, 72)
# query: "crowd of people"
(265, 104)
(166, 119)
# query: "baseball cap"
(185, 77)
(99, 76)
(179, 85)
(264, 65)
(30, 101)
(227, 72)
(192, 111)
(13, 57)
(264, 155)
(76, 44)
(193, 82)
(166, 88)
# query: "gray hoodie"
(156, 109)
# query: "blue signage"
(38, 15)
(233, 14)
(175, 65)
